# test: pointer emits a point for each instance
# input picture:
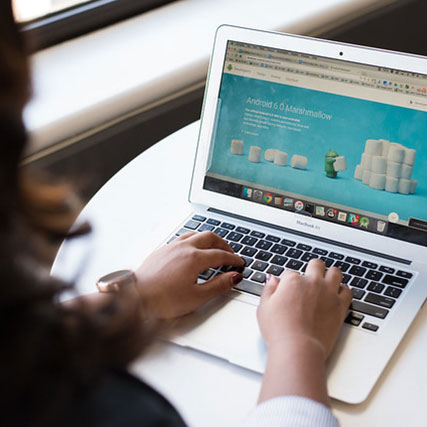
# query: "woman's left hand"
(167, 280)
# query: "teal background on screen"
(353, 122)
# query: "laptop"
(312, 149)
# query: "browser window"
(336, 140)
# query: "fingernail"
(267, 277)
(236, 278)
(243, 259)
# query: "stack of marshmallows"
(387, 166)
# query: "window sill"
(86, 82)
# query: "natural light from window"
(27, 10)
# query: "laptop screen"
(335, 140)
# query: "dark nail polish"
(236, 278)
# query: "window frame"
(81, 19)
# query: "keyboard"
(376, 288)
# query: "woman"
(65, 364)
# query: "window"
(47, 22)
(28, 10)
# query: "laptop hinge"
(313, 237)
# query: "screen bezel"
(291, 220)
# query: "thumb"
(220, 284)
(270, 286)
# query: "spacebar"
(250, 287)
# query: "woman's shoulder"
(120, 399)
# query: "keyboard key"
(206, 227)
(395, 281)
(374, 275)
(343, 266)
(228, 226)
(248, 251)
(247, 272)
(221, 232)
(328, 261)
(275, 270)
(388, 270)
(263, 244)
(248, 261)
(357, 293)
(357, 270)
(370, 326)
(279, 260)
(376, 287)
(352, 260)
(263, 256)
(213, 221)
(380, 300)
(371, 310)
(250, 287)
(258, 277)
(192, 225)
(294, 253)
(308, 256)
(354, 318)
(345, 278)
(294, 264)
(371, 265)
(358, 282)
(287, 242)
(247, 240)
(258, 234)
(259, 265)
(199, 218)
(336, 255)
(392, 292)
(304, 247)
(243, 230)
(279, 249)
(235, 237)
(236, 246)
(273, 239)
(404, 274)
(319, 251)
(206, 275)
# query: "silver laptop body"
(312, 148)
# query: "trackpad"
(226, 328)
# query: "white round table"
(131, 215)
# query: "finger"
(218, 285)
(288, 273)
(212, 258)
(270, 286)
(207, 240)
(346, 296)
(184, 236)
(333, 276)
(316, 267)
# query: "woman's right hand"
(300, 317)
(311, 306)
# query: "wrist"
(296, 343)
(295, 367)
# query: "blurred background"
(75, 46)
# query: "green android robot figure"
(330, 158)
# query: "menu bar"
(384, 79)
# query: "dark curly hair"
(50, 352)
